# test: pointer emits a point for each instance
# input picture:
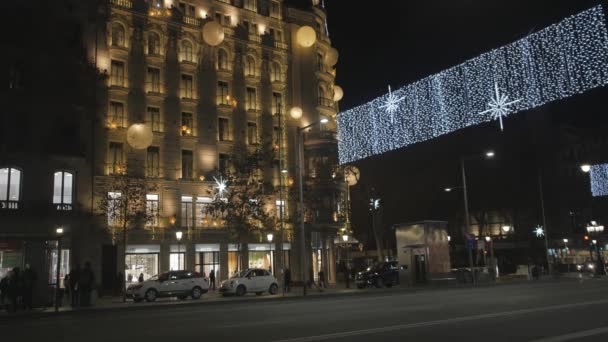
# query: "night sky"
(397, 42)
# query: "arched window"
(187, 51)
(10, 188)
(250, 66)
(63, 190)
(222, 59)
(275, 72)
(153, 43)
(118, 35)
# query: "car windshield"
(240, 274)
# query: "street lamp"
(345, 240)
(586, 168)
(506, 229)
(178, 236)
(300, 147)
(59, 232)
(269, 238)
(595, 229)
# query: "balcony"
(255, 38)
(63, 207)
(280, 45)
(153, 88)
(324, 136)
(122, 3)
(228, 31)
(327, 103)
(9, 205)
(192, 21)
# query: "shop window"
(176, 261)
(63, 190)
(145, 264)
(206, 262)
(10, 188)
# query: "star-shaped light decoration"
(391, 103)
(220, 185)
(500, 106)
(539, 231)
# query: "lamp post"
(595, 229)
(269, 237)
(59, 232)
(300, 131)
(488, 154)
(178, 236)
(490, 241)
(346, 268)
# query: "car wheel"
(197, 292)
(274, 289)
(151, 295)
(379, 283)
(240, 291)
(259, 293)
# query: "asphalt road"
(547, 312)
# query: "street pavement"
(545, 311)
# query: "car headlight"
(591, 266)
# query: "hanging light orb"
(296, 113)
(139, 136)
(338, 93)
(306, 36)
(331, 58)
(213, 33)
(351, 174)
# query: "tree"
(123, 203)
(241, 199)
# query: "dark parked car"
(379, 275)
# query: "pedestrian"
(321, 275)
(85, 284)
(29, 281)
(141, 278)
(14, 289)
(73, 284)
(287, 280)
(212, 279)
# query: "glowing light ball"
(306, 36)
(331, 58)
(296, 113)
(213, 33)
(351, 175)
(338, 93)
(139, 136)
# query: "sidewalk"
(215, 298)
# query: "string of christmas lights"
(562, 60)
(599, 180)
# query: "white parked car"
(180, 284)
(253, 280)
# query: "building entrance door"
(420, 268)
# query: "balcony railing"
(63, 207)
(122, 3)
(229, 31)
(325, 102)
(255, 38)
(191, 21)
(9, 205)
(153, 88)
(280, 45)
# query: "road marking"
(438, 322)
(576, 335)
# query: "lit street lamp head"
(490, 154)
(345, 237)
(506, 229)
(324, 120)
(565, 240)
(269, 237)
(178, 235)
(586, 168)
(488, 239)
(447, 189)
(59, 231)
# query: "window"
(153, 43)
(222, 59)
(153, 162)
(280, 208)
(251, 101)
(187, 212)
(251, 5)
(176, 263)
(187, 124)
(187, 51)
(187, 89)
(201, 211)
(114, 209)
(223, 98)
(275, 9)
(278, 36)
(277, 103)
(153, 80)
(118, 35)
(223, 163)
(117, 112)
(117, 74)
(224, 129)
(252, 133)
(208, 262)
(275, 72)
(10, 188)
(276, 132)
(187, 164)
(152, 211)
(250, 66)
(63, 187)
(115, 159)
(154, 117)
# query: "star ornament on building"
(500, 106)
(392, 103)
(539, 231)
(220, 185)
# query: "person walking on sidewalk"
(141, 278)
(29, 280)
(322, 283)
(212, 279)
(287, 280)
(74, 287)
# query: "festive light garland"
(599, 180)
(562, 60)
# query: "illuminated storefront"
(141, 259)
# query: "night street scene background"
(304, 170)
